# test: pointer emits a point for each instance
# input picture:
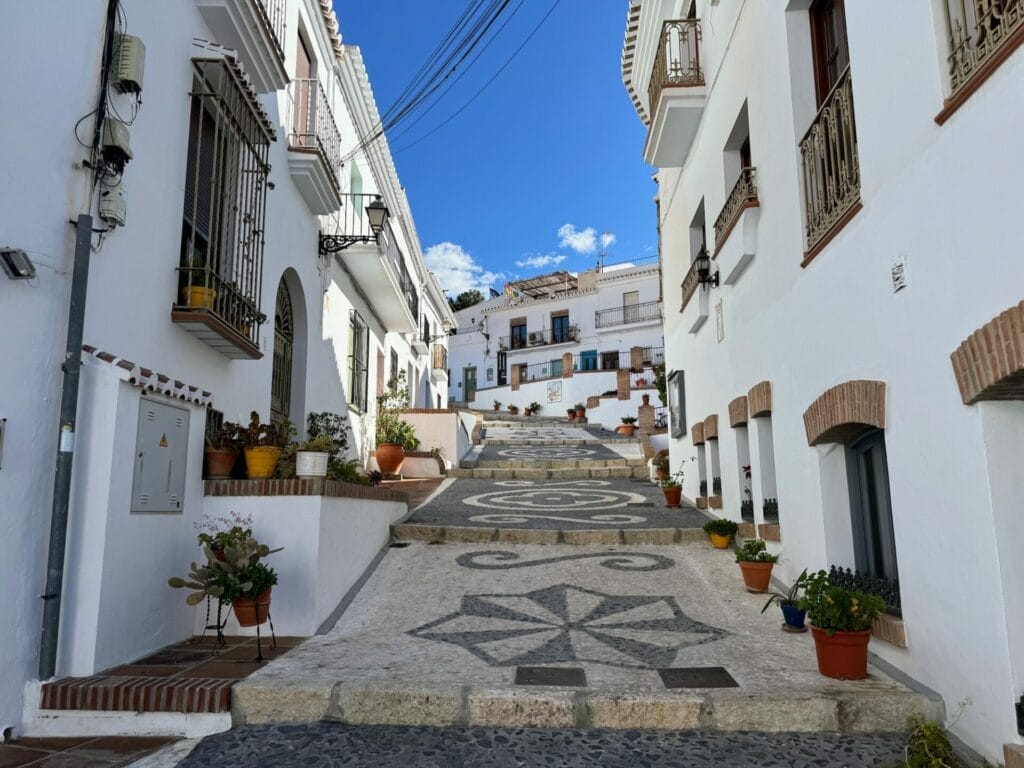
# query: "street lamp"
(703, 266)
(376, 213)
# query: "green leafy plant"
(928, 747)
(534, 408)
(629, 419)
(580, 407)
(221, 532)
(755, 551)
(239, 574)
(227, 438)
(674, 480)
(391, 427)
(258, 434)
(835, 609)
(333, 425)
(322, 443)
(347, 472)
(661, 383)
(721, 527)
(790, 597)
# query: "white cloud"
(457, 271)
(581, 241)
(537, 261)
(607, 239)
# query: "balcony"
(831, 168)
(676, 94)
(740, 212)
(981, 35)
(256, 30)
(439, 364)
(695, 313)
(376, 264)
(220, 312)
(314, 143)
(648, 312)
(543, 338)
(420, 344)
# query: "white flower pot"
(311, 464)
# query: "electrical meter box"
(161, 454)
(129, 64)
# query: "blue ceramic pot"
(794, 616)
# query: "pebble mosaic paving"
(326, 745)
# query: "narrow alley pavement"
(547, 586)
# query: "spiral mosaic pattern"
(571, 496)
(547, 452)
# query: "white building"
(551, 327)
(246, 147)
(849, 175)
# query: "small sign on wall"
(554, 391)
(719, 322)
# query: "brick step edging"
(103, 693)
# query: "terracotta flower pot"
(390, 457)
(756, 576)
(660, 474)
(581, 413)
(220, 462)
(626, 429)
(251, 613)
(198, 296)
(646, 399)
(673, 495)
(843, 656)
(718, 541)
(260, 460)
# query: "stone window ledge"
(301, 487)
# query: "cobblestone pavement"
(573, 504)
(324, 744)
(592, 452)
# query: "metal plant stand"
(221, 621)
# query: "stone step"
(575, 442)
(522, 473)
(551, 463)
(450, 534)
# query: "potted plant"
(645, 399)
(534, 408)
(239, 578)
(570, 414)
(841, 624)
(660, 462)
(497, 405)
(720, 532)
(581, 411)
(756, 562)
(672, 488)
(312, 455)
(198, 295)
(263, 444)
(222, 451)
(628, 426)
(641, 383)
(219, 533)
(792, 613)
(513, 409)
(395, 435)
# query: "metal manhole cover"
(567, 676)
(697, 677)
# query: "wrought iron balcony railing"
(716, 486)
(541, 338)
(747, 511)
(690, 283)
(743, 196)
(831, 168)
(274, 13)
(703, 488)
(677, 62)
(887, 589)
(770, 510)
(312, 126)
(631, 313)
(393, 256)
(977, 29)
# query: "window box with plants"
(222, 451)
(756, 563)
(792, 614)
(236, 576)
(628, 426)
(263, 444)
(720, 532)
(395, 435)
(841, 624)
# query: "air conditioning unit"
(536, 337)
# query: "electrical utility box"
(161, 454)
(129, 64)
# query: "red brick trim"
(984, 72)
(770, 531)
(711, 427)
(841, 413)
(138, 694)
(759, 400)
(697, 433)
(989, 364)
(593, 401)
(747, 531)
(300, 487)
(702, 502)
(715, 502)
(738, 412)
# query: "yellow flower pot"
(718, 541)
(260, 460)
(198, 296)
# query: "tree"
(466, 299)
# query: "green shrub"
(755, 551)
(835, 609)
(721, 526)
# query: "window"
(560, 328)
(304, 118)
(221, 258)
(867, 473)
(698, 248)
(358, 346)
(630, 306)
(284, 344)
(677, 403)
(518, 331)
(555, 367)
(828, 44)
(588, 360)
(609, 361)
(393, 370)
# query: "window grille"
(358, 345)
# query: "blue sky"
(552, 146)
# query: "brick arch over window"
(989, 364)
(738, 412)
(846, 410)
(759, 399)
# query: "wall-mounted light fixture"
(16, 263)
(376, 213)
(703, 266)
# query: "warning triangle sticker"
(163, 441)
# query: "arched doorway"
(284, 354)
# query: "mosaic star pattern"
(565, 623)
